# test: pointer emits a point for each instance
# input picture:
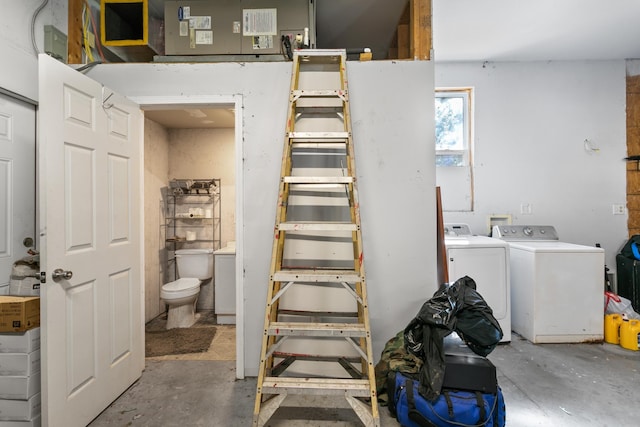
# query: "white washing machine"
(556, 287)
(486, 261)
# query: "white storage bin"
(20, 342)
(27, 287)
(20, 364)
(34, 422)
(20, 410)
(19, 387)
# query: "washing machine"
(486, 261)
(556, 287)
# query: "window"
(453, 148)
(452, 127)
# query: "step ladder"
(317, 337)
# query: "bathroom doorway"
(191, 141)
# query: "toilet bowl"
(194, 266)
(181, 296)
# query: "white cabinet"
(225, 285)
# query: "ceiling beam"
(74, 31)
(420, 38)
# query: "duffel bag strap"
(391, 392)
(449, 403)
(414, 414)
(483, 414)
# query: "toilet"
(195, 266)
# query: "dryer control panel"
(525, 232)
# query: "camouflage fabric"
(394, 358)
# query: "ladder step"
(321, 93)
(311, 53)
(318, 179)
(316, 386)
(318, 313)
(317, 329)
(319, 136)
(316, 276)
(317, 226)
(321, 146)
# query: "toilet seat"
(181, 288)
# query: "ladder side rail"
(266, 361)
(363, 309)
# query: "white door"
(17, 182)
(90, 143)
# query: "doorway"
(183, 140)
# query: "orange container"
(612, 324)
(629, 334)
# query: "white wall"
(156, 177)
(19, 72)
(207, 153)
(395, 168)
(531, 120)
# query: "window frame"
(466, 168)
(466, 95)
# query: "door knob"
(59, 273)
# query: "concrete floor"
(554, 385)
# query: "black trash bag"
(428, 341)
(456, 307)
(475, 323)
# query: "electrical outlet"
(526, 208)
(618, 209)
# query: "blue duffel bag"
(453, 408)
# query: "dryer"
(556, 287)
(486, 261)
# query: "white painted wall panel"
(392, 110)
(156, 177)
(531, 121)
(16, 48)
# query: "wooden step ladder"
(317, 337)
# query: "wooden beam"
(74, 31)
(441, 251)
(420, 30)
(394, 51)
(403, 41)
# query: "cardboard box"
(18, 314)
(20, 342)
(19, 387)
(34, 422)
(20, 364)
(20, 410)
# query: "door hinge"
(43, 277)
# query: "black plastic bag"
(456, 307)
(475, 323)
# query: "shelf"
(192, 208)
(190, 217)
(191, 241)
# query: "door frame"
(185, 102)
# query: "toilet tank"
(196, 263)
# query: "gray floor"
(554, 385)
